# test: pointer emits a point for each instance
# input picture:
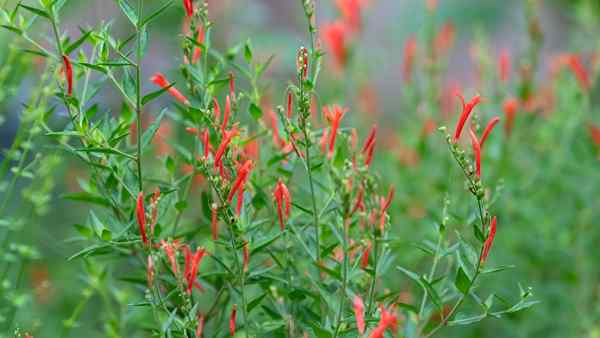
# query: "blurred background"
(548, 170)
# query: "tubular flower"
(141, 217)
(333, 116)
(150, 272)
(245, 256)
(154, 204)
(384, 204)
(232, 320)
(410, 50)
(197, 50)
(227, 137)
(364, 259)
(369, 146)
(510, 107)
(189, 7)
(290, 101)
(302, 63)
(359, 313)
(192, 262)
(580, 72)
(350, 10)
(277, 139)
(282, 196)
(504, 66)
(216, 109)
(444, 39)
(200, 327)
(240, 201)
(594, 132)
(160, 80)
(68, 73)
(487, 245)
(240, 180)
(477, 151)
(467, 109)
(359, 204)
(387, 320)
(227, 113)
(170, 251)
(335, 36)
(205, 136)
(488, 129)
(214, 226)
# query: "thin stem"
(138, 103)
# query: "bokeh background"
(549, 172)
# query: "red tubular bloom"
(384, 204)
(487, 245)
(191, 130)
(150, 272)
(477, 151)
(488, 129)
(467, 108)
(240, 201)
(290, 101)
(282, 196)
(410, 50)
(141, 217)
(364, 259)
(214, 226)
(444, 39)
(227, 113)
(206, 142)
(350, 10)
(246, 256)
(387, 320)
(68, 73)
(335, 35)
(216, 109)
(192, 262)
(359, 313)
(369, 146)
(160, 80)
(333, 116)
(580, 72)
(170, 251)
(232, 320)
(200, 327)
(227, 137)
(504, 66)
(197, 50)
(594, 134)
(510, 107)
(240, 181)
(189, 7)
(359, 204)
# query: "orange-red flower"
(410, 50)
(200, 327)
(170, 250)
(581, 74)
(384, 204)
(488, 129)
(364, 258)
(141, 217)
(369, 146)
(510, 107)
(189, 7)
(240, 180)
(192, 263)
(466, 111)
(160, 80)
(335, 36)
(68, 73)
(282, 198)
(228, 135)
(504, 66)
(477, 151)
(232, 318)
(200, 36)
(359, 313)
(487, 245)
(350, 10)
(333, 116)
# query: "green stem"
(138, 103)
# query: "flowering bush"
(221, 205)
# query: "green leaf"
(77, 43)
(462, 281)
(12, 29)
(151, 131)
(36, 11)
(149, 97)
(84, 230)
(266, 243)
(88, 198)
(467, 321)
(255, 111)
(106, 235)
(248, 51)
(156, 13)
(128, 11)
(105, 151)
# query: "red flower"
(240, 181)
(595, 134)
(384, 204)
(227, 113)
(232, 320)
(192, 262)
(189, 7)
(150, 272)
(225, 141)
(488, 129)
(170, 251)
(350, 10)
(477, 151)
(216, 109)
(504, 66)
(141, 217)
(333, 116)
(160, 80)
(200, 326)
(69, 74)
(410, 50)
(282, 196)
(246, 256)
(359, 204)
(359, 313)
(335, 36)
(387, 320)
(154, 204)
(290, 101)
(369, 146)
(487, 245)
(444, 39)
(467, 108)
(197, 50)
(364, 259)
(580, 72)
(510, 107)
(214, 226)
(206, 142)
